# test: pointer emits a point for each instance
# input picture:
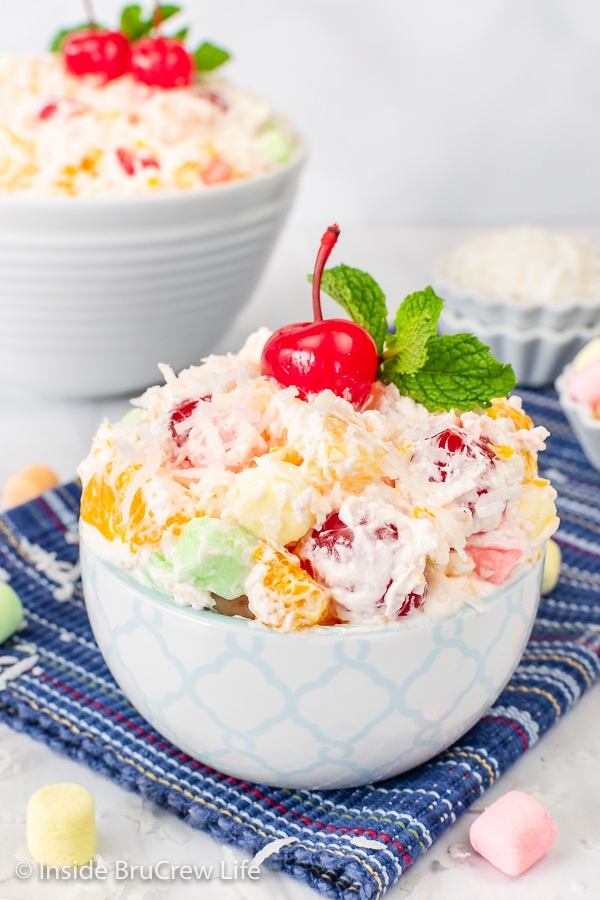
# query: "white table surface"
(563, 770)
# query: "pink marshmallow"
(494, 564)
(513, 833)
(584, 386)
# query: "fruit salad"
(130, 111)
(329, 473)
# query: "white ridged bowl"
(94, 292)
(537, 355)
(515, 314)
(581, 420)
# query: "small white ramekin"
(536, 354)
(581, 420)
(583, 313)
(96, 291)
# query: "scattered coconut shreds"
(65, 574)
(459, 852)
(271, 849)
(17, 669)
(361, 841)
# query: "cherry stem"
(89, 11)
(328, 242)
(157, 18)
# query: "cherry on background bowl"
(326, 707)
(96, 291)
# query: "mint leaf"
(362, 298)
(459, 373)
(208, 57)
(58, 40)
(416, 322)
(167, 10)
(180, 35)
(134, 26)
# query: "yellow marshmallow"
(271, 501)
(61, 825)
(537, 504)
(551, 566)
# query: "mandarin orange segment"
(98, 501)
(345, 459)
(102, 507)
(503, 409)
(501, 451)
(287, 597)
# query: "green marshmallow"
(11, 611)
(159, 572)
(214, 555)
(275, 145)
(133, 418)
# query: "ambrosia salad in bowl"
(141, 193)
(317, 561)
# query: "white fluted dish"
(537, 355)
(581, 420)
(584, 313)
(96, 291)
(326, 707)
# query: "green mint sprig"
(134, 24)
(208, 57)
(60, 37)
(441, 372)
(416, 323)
(362, 298)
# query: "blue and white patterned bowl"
(329, 707)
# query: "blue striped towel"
(344, 844)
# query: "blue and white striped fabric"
(344, 844)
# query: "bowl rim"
(112, 201)
(581, 410)
(322, 632)
(444, 283)
(523, 334)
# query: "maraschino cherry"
(336, 539)
(97, 52)
(327, 353)
(162, 62)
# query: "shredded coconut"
(65, 574)
(17, 669)
(525, 264)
